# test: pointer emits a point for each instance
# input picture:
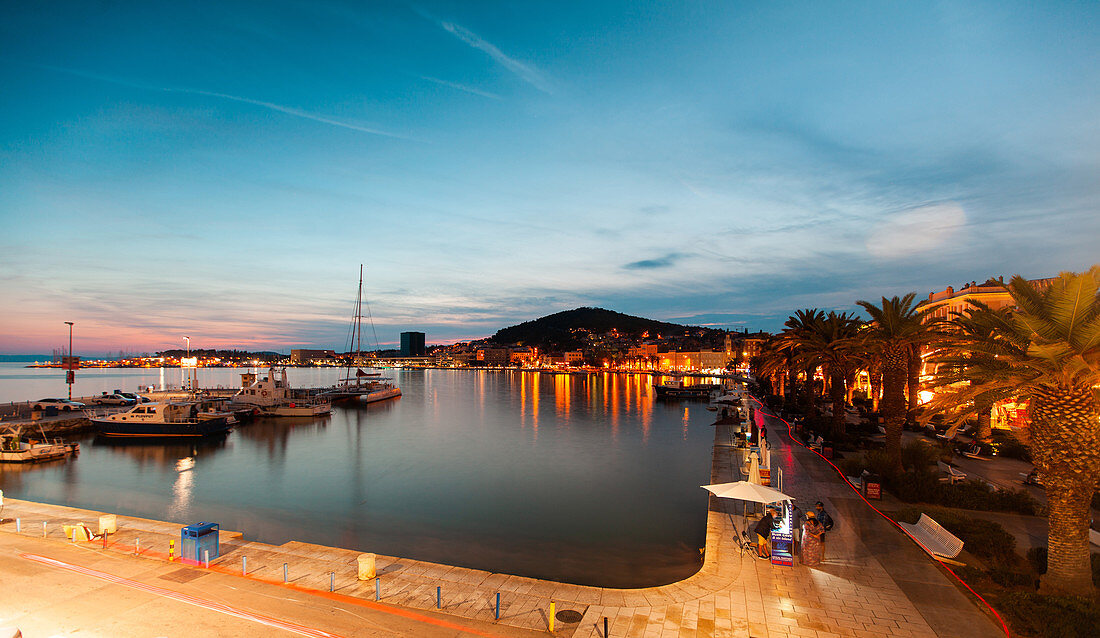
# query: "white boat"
(273, 396)
(14, 450)
(367, 387)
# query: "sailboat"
(367, 387)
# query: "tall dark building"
(412, 344)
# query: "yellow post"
(171, 551)
(551, 617)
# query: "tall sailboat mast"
(359, 324)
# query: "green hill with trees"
(570, 329)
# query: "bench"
(953, 475)
(934, 539)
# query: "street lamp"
(69, 372)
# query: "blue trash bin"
(199, 538)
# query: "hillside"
(567, 330)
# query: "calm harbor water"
(584, 479)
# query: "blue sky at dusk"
(220, 170)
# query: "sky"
(220, 170)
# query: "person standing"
(823, 516)
(813, 540)
(763, 531)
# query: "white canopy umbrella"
(745, 491)
(754, 468)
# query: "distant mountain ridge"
(558, 331)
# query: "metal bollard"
(206, 558)
(377, 590)
(605, 634)
(18, 525)
(551, 617)
(43, 529)
(332, 581)
(284, 572)
(439, 598)
(244, 565)
(498, 606)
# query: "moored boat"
(367, 387)
(677, 390)
(162, 419)
(273, 396)
(15, 450)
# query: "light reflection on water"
(582, 478)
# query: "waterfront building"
(412, 344)
(494, 356)
(523, 355)
(692, 361)
(312, 357)
(1006, 414)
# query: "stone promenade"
(874, 581)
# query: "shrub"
(918, 487)
(1037, 556)
(1013, 578)
(1051, 616)
(978, 495)
(1010, 447)
(918, 455)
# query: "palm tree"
(979, 323)
(798, 328)
(897, 325)
(828, 344)
(1047, 352)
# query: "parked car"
(137, 398)
(113, 399)
(60, 404)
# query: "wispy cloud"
(461, 87)
(279, 108)
(648, 264)
(525, 72)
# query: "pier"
(874, 582)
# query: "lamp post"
(69, 372)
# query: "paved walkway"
(874, 581)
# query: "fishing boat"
(15, 450)
(162, 419)
(272, 396)
(366, 387)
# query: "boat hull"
(380, 395)
(38, 453)
(135, 429)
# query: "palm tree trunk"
(913, 377)
(874, 376)
(895, 364)
(1068, 568)
(984, 431)
(836, 393)
(1065, 445)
